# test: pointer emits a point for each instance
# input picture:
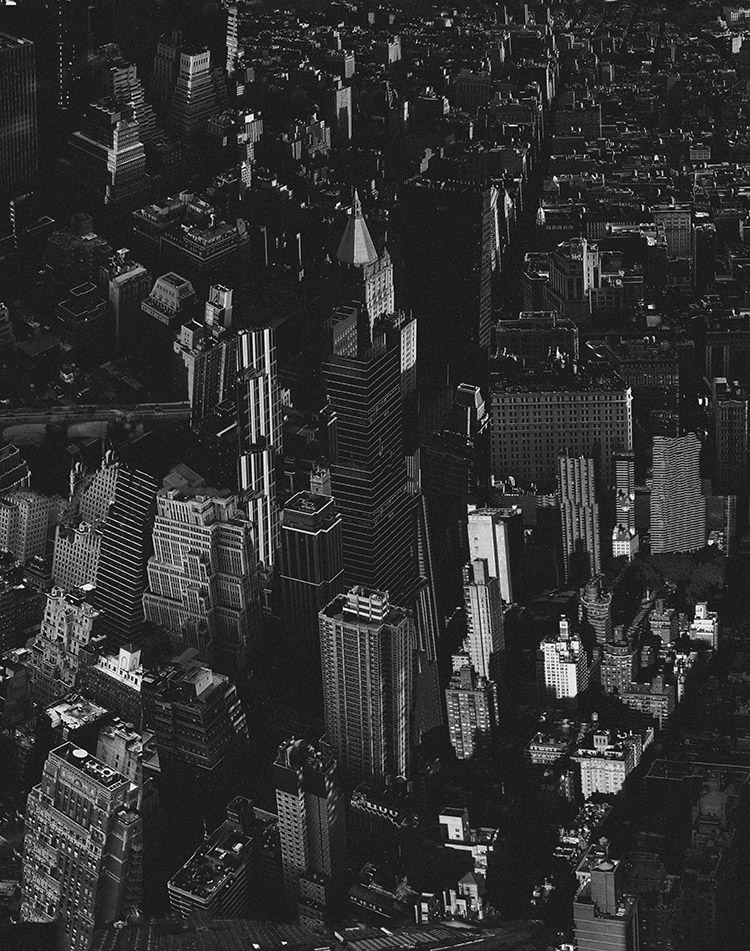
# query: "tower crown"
(356, 245)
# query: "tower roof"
(356, 245)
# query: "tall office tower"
(496, 535)
(341, 108)
(258, 399)
(312, 568)
(75, 556)
(596, 611)
(166, 69)
(471, 702)
(107, 156)
(310, 806)
(114, 680)
(731, 441)
(625, 540)
(196, 95)
(128, 285)
(68, 624)
(233, 53)
(580, 517)
(484, 617)
(574, 277)
(18, 142)
(605, 917)
(369, 475)
(195, 713)
(678, 509)
(202, 577)
(357, 250)
(208, 349)
(562, 670)
(24, 523)
(125, 547)
(445, 238)
(14, 471)
(675, 223)
(367, 652)
(585, 409)
(120, 82)
(703, 268)
(82, 849)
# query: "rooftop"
(220, 856)
(88, 764)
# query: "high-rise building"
(579, 510)
(208, 349)
(484, 617)
(585, 410)
(195, 713)
(18, 132)
(82, 853)
(675, 222)
(128, 284)
(166, 69)
(606, 761)
(605, 917)
(471, 702)
(678, 509)
(619, 664)
(369, 475)
(310, 806)
(68, 624)
(624, 535)
(232, 38)
(75, 557)
(125, 547)
(120, 82)
(196, 95)
(730, 407)
(445, 237)
(596, 611)
(14, 472)
(258, 399)
(562, 665)
(202, 578)
(367, 654)
(312, 569)
(496, 535)
(113, 680)
(107, 156)
(24, 523)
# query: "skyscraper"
(24, 516)
(369, 476)
(678, 509)
(367, 653)
(195, 96)
(562, 665)
(624, 536)
(730, 407)
(596, 611)
(18, 134)
(312, 567)
(471, 701)
(107, 156)
(202, 577)
(232, 38)
(260, 437)
(445, 237)
(496, 535)
(580, 517)
(484, 617)
(82, 846)
(125, 546)
(310, 806)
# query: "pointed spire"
(356, 245)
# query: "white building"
(484, 616)
(705, 626)
(496, 535)
(562, 665)
(24, 516)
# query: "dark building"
(445, 238)
(312, 567)
(125, 547)
(194, 712)
(18, 132)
